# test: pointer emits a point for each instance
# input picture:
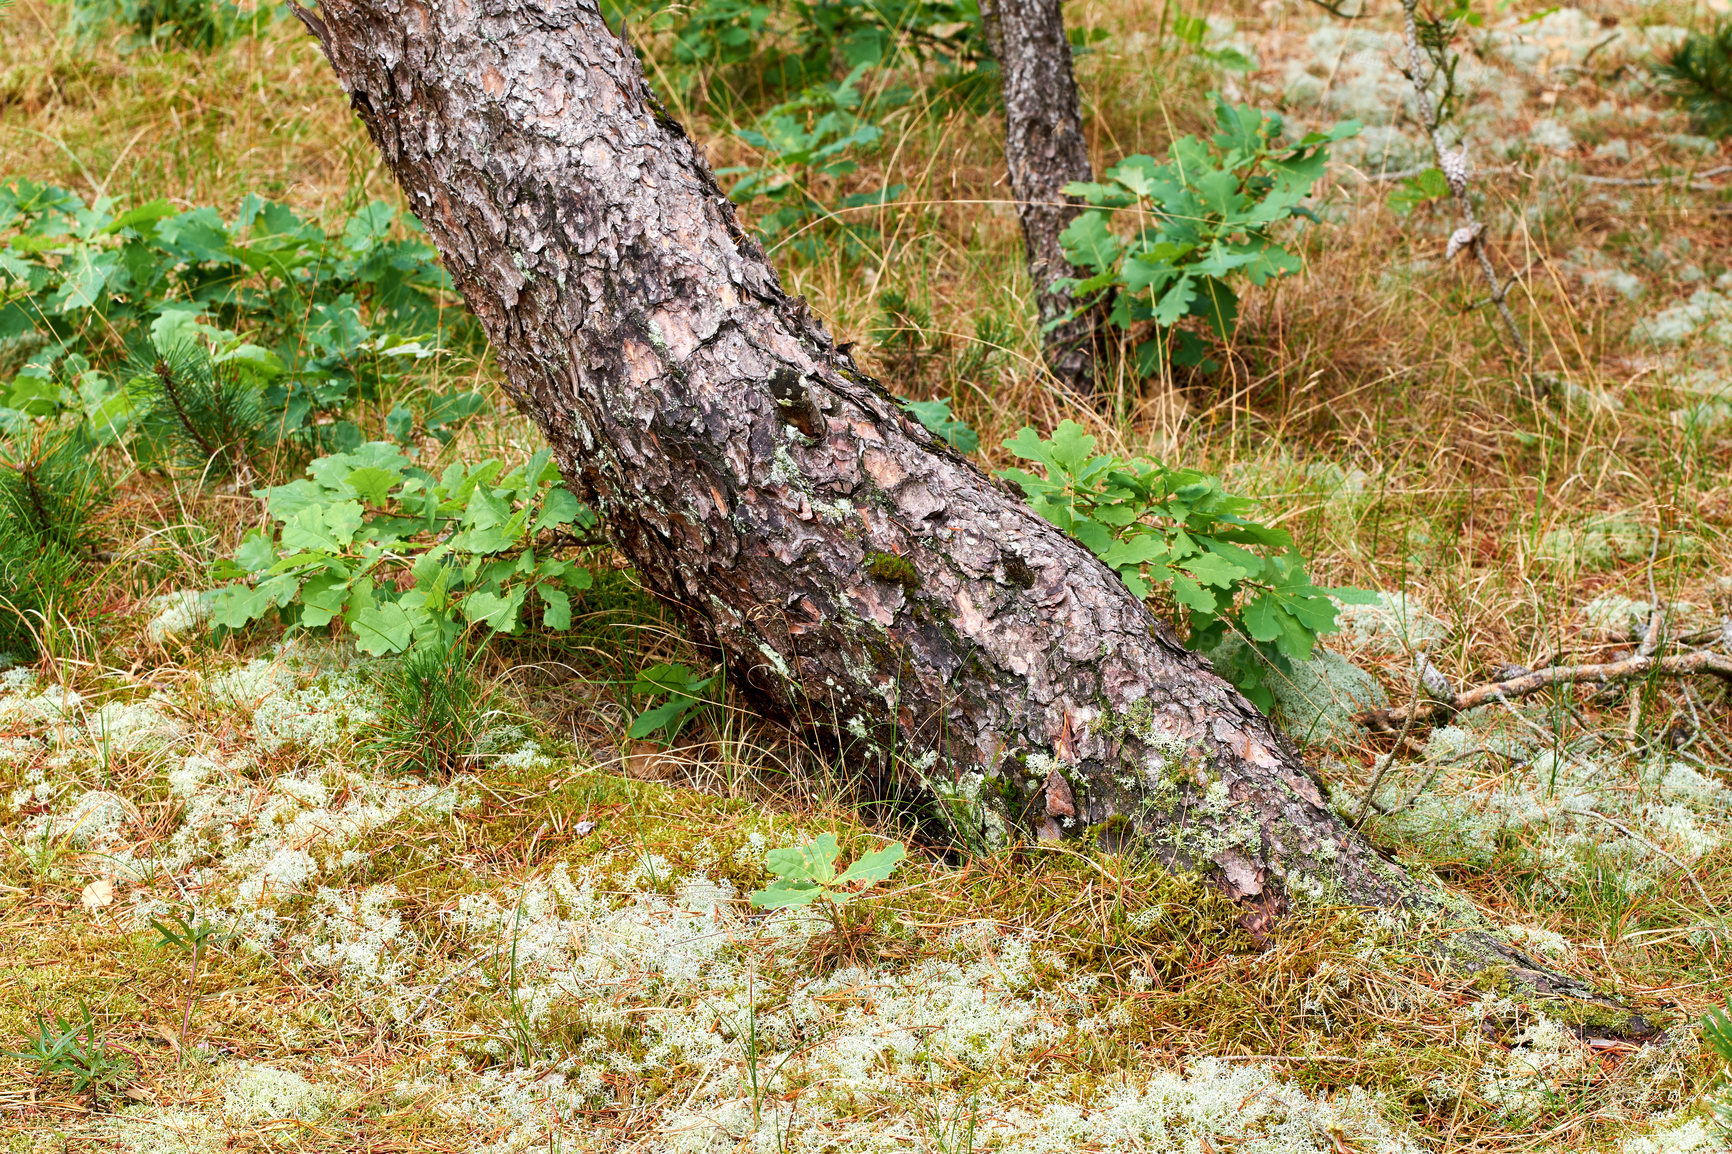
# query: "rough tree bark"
(1045, 150)
(859, 576)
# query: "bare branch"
(1702, 661)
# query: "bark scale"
(865, 579)
(1045, 150)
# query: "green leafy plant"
(687, 695)
(727, 48)
(400, 555)
(805, 140)
(1699, 74)
(72, 1051)
(92, 297)
(1422, 188)
(1717, 1032)
(1162, 242)
(194, 940)
(199, 24)
(1179, 531)
(434, 708)
(943, 424)
(807, 874)
(1193, 33)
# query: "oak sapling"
(1179, 531)
(807, 873)
(1160, 243)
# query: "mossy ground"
(552, 950)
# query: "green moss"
(890, 567)
(1589, 1014)
(1493, 980)
(1114, 833)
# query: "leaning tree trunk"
(1045, 150)
(862, 577)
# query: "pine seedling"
(198, 414)
(1699, 74)
(434, 708)
(51, 488)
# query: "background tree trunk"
(860, 577)
(1045, 149)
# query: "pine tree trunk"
(860, 577)
(1045, 150)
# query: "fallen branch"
(1629, 669)
(1688, 182)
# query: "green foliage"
(807, 873)
(190, 938)
(1193, 32)
(1178, 530)
(312, 324)
(403, 556)
(812, 136)
(1163, 241)
(687, 695)
(1424, 188)
(943, 424)
(72, 1052)
(901, 334)
(785, 45)
(198, 24)
(1699, 74)
(1717, 1032)
(51, 488)
(434, 709)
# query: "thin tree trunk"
(860, 577)
(1045, 150)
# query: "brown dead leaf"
(97, 894)
(647, 761)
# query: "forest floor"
(550, 949)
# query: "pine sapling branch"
(171, 391)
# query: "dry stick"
(1677, 665)
(1400, 743)
(1688, 182)
(1437, 768)
(1471, 234)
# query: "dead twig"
(1687, 182)
(1630, 668)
